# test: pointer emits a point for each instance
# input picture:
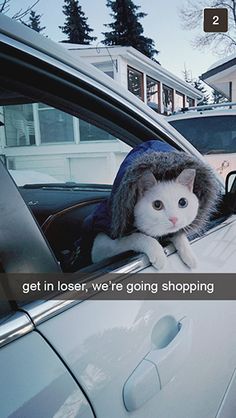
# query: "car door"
(34, 382)
(137, 358)
(114, 347)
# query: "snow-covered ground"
(22, 177)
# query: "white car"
(212, 132)
(96, 358)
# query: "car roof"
(190, 114)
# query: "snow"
(22, 177)
(222, 61)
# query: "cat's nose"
(173, 219)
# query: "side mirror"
(227, 205)
(230, 182)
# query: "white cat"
(163, 208)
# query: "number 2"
(215, 20)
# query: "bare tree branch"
(223, 4)
(4, 6)
(20, 14)
(234, 10)
(191, 15)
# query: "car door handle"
(160, 365)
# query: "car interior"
(60, 212)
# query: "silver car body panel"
(35, 383)
(14, 326)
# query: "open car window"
(41, 144)
(64, 165)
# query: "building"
(221, 76)
(147, 79)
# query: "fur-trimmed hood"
(114, 216)
(165, 166)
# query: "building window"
(135, 83)
(19, 125)
(190, 102)
(107, 67)
(168, 99)
(179, 100)
(40, 124)
(55, 126)
(90, 132)
(153, 93)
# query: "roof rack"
(207, 107)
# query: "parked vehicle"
(212, 130)
(91, 358)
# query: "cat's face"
(165, 207)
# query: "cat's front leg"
(104, 247)
(184, 250)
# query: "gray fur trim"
(165, 166)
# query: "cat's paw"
(159, 263)
(157, 257)
(189, 259)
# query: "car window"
(42, 144)
(210, 135)
(64, 166)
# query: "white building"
(147, 79)
(221, 76)
(41, 138)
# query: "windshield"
(210, 135)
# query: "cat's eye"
(182, 202)
(158, 205)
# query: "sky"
(162, 24)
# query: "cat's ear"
(146, 181)
(187, 177)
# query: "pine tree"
(218, 97)
(34, 22)
(126, 29)
(187, 75)
(76, 27)
(198, 84)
